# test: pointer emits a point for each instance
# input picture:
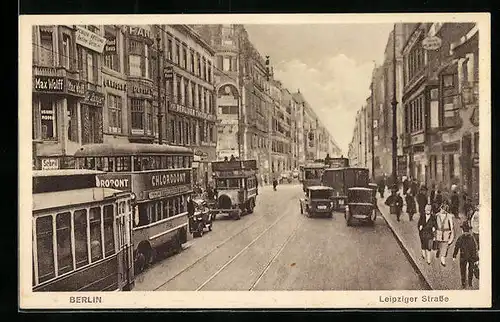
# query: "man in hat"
(395, 202)
(466, 245)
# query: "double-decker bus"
(81, 233)
(160, 176)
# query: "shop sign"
(417, 138)
(48, 84)
(168, 179)
(141, 90)
(431, 43)
(90, 40)
(191, 112)
(110, 46)
(50, 164)
(109, 83)
(168, 72)
(452, 147)
(167, 192)
(94, 98)
(75, 87)
(139, 32)
(114, 181)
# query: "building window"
(209, 72)
(72, 120)
(226, 64)
(48, 119)
(202, 132)
(92, 71)
(450, 100)
(193, 95)
(415, 60)
(66, 52)
(146, 62)
(172, 132)
(192, 62)
(193, 133)
(137, 114)
(186, 93)
(179, 90)
(198, 65)
(200, 91)
(170, 49)
(186, 133)
(46, 48)
(184, 58)
(149, 117)
(112, 56)
(177, 54)
(139, 59)
(115, 113)
(203, 68)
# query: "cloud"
(336, 87)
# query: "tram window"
(191, 162)
(163, 162)
(95, 234)
(90, 163)
(182, 204)
(80, 163)
(169, 207)
(137, 164)
(99, 164)
(158, 163)
(181, 161)
(64, 252)
(80, 228)
(109, 239)
(146, 164)
(44, 247)
(122, 164)
(233, 183)
(143, 215)
(170, 162)
(185, 162)
(176, 162)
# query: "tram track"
(272, 206)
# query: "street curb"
(414, 262)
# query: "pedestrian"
(422, 200)
(438, 200)
(414, 187)
(210, 193)
(454, 201)
(410, 204)
(444, 232)
(474, 223)
(225, 159)
(395, 203)
(432, 196)
(405, 184)
(466, 246)
(381, 187)
(426, 229)
(467, 206)
(232, 158)
(190, 212)
(275, 183)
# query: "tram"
(81, 233)
(161, 178)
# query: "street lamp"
(160, 114)
(394, 107)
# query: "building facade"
(95, 84)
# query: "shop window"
(44, 247)
(95, 234)
(46, 48)
(81, 243)
(109, 236)
(48, 119)
(115, 113)
(64, 250)
(137, 114)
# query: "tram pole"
(394, 107)
(160, 114)
(372, 130)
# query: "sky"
(331, 64)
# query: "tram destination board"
(234, 165)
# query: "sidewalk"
(437, 276)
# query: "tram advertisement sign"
(114, 180)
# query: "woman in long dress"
(444, 232)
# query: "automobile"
(202, 218)
(359, 206)
(286, 176)
(341, 179)
(317, 201)
(237, 187)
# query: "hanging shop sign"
(50, 84)
(75, 87)
(94, 98)
(90, 40)
(110, 46)
(168, 73)
(139, 32)
(431, 43)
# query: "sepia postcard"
(331, 161)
